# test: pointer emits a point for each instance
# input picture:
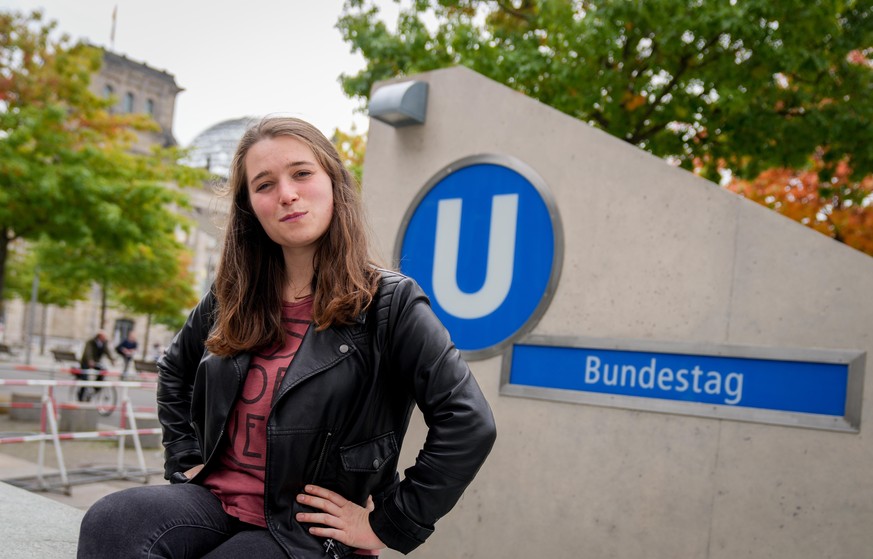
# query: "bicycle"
(105, 398)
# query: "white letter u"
(501, 258)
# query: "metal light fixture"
(400, 104)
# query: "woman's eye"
(261, 186)
(302, 174)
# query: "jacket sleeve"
(88, 357)
(461, 428)
(176, 371)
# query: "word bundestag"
(715, 383)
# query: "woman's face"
(291, 194)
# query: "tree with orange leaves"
(839, 206)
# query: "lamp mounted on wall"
(400, 104)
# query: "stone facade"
(139, 88)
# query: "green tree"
(56, 286)
(60, 282)
(164, 300)
(66, 173)
(351, 147)
(739, 85)
(125, 267)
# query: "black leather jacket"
(340, 416)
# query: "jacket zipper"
(328, 543)
(321, 457)
(328, 549)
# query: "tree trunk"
(4, 252)
(145, 342)
(25, 320)
(43, 329)
(102, 306)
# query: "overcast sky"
(233, 58)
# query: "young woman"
(286, 396)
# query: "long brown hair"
(251, 275)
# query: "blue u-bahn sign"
(484, 241)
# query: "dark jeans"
(179, 521)
(164, 521)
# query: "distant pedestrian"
(126, 349)
(95, 349)
(157, 352)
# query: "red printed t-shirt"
(239, 480)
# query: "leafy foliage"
(60, 281)
(838, 208)
(67, 177)
(749, 84)
(135, 272)
(167, 297)
(730, 88)
(351, 147)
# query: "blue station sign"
(814, 388)
(483, 240)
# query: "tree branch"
(599, 119)
(684, 65)
(509, 9)
(9, 235)
(645, 134)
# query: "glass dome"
(213, 148)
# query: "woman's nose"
(287, 192)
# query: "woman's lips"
(293, 216)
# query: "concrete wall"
(651, 252)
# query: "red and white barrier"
(80, 435)
(115, 383)
(49, 425)
(107, 373)
(146, 376)
(71, 406)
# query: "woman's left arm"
(461, 428)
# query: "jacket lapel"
(318, 352)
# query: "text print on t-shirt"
(246, 427)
